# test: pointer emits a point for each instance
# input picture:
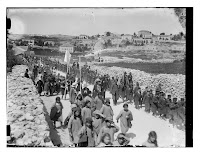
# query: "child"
(125, 117)
(106, 109)
(110, 128)
(98, 101)
(105, 140)
(121, 140)
(152, 140)
(74, 125)
(73, 108)
(79, 100)
(56, 112)
(98, 120)
(86, 134)
(86, 111)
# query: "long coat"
(146, 102)
(72, 95)
(75, 125)
(98, 103)
(137, 99)
(107, 111)
(125, 118)
(115, 91)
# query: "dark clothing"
(26, 75)
(54, 114)
(85, 92)
(40, 86)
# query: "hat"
(97, 112)
(97, 80)
(88, 120)
(73, 105)
(109, 119)
(73, 85)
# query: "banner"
(67, 57)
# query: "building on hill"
(164, 37)
(127, 37)
(145, 34)
(82, 36)
(52, 43)
(29, 41)
(67, 47)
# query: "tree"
(134, 34)
(162, 33)
(122, 34)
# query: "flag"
(67, 57)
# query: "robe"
(146, 102)
(74, 125)
(125, 118)
(85, 113)
(107, 111)
(72, 95)
(90, 135)
(98, 103)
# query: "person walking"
(125, 117)
(106, 109)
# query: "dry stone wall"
(173, 84)
(25, 111)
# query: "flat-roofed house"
(145, 34)
(82, 36)
(164, 37)
(65, 47)
(29, 41)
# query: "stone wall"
(25, 111)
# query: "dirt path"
(143, 123)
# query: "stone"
(29, 117)
(18, 134)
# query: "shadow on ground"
(55, 138)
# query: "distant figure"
(40, 87)
(26, 74)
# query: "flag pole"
(80, 72)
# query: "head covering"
(89, 120)
(73, 85)
(109, 119)
(57, 99)
(97, 80)
(97, 112)
(73, 106)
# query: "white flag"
(67, 57)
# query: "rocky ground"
(26, 114)
(143, 123)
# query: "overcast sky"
(76, 21)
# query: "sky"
(92, 21)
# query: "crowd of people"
(90, 122)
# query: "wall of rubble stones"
(173, 84)
(25, 111)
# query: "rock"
(18, 134)
(25, 110)
(29, 117)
